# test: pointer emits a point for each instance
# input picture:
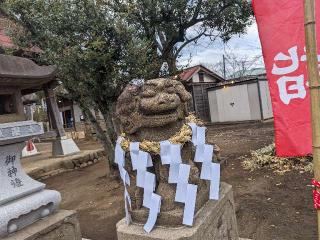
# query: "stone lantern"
(21, 76)
(23, 200)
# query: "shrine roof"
(24, 73)
(187, 73)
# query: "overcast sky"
(207, 53)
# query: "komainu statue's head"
(157, 103)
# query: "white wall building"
(242, 100)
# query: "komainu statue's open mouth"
(161, 118)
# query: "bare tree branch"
(187, 41)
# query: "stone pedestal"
(63, 225)
(216, 220)
(64, 146)
(23, 200)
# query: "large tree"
(101, 45)
(170, 25)
(96, 53)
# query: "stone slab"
(19, 131)
(63, 225)
(44, 167)
(215, 220)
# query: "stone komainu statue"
(155, 111)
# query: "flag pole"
(314, 85)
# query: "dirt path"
(268, 206)
(99, 202)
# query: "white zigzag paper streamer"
(186, 193)
(204, 154)
(179, 173)
(141, 161)
(171, 154)
(151, 201)
(120, 160)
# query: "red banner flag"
(281, 31)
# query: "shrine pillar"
(62, 145)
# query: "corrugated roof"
(242, 80)
(249, 72)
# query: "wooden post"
(314, 84)
(54, 112)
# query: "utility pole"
(314, 82)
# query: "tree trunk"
(110, 125)
(172, 66)
(104, 138)
(172, 63)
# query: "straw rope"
(183, 136)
